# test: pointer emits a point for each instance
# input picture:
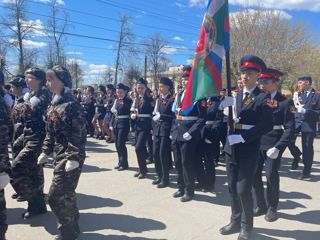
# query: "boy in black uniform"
(273, 145)
(142, 109)
(307, 116)
(188, 136)
(209, 145)
(121, 124)
(162, 122)
(254, 120)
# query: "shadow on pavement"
(90, 222)
(260, 234)
(96, 236)
(88, 202)
(312, 217)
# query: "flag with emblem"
(205, 79)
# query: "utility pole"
(145, 66)
(124, 21)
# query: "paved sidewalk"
(115, 205)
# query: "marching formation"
(41, 117)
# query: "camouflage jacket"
(33, 111)
(66, 129)
(4, 135)
(17, 118)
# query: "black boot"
(36, 206)
(295, 163)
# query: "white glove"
(111, 128)
(70, 165)
(235, 139)
(133, 116)
(273, 153)
(34, 101)
(227, 102)
(208, 141)
(170, 137)
(43, 158)
(156, 117)
(187, 136)
(301, 110)
(4, 180)
(236, 120)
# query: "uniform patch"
(272, 103)
(248, 101)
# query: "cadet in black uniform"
(209, 146)
(188, 136)
(162, 122)
(142, 109)
(88, 104)
(272, 146)
(307, 116)
(254, 120)
(121, 124)
(174, 134)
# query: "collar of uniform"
(250, 91)
(164, 97)
(273, 95)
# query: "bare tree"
(76, 72)
(56, 28)
(269, 35)
(155, 48)
(132, 74)
(19, 27)
(125, 48)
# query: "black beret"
(110, 86)
(166, 81)
(38, 73)
(142, 81)
(251, 62)
(123, 87)
(18, 82)
(305, 78)
(270, 74)
(63, 74)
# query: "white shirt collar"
(164, 96)
(273, 94)
(250, 91)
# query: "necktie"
(246, 96)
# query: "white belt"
(243, 126)
(278, 127)
(144, 115)
(210, 122)
(123, 117)
(186, 118)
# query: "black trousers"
(150, 147)
(307, 151)
(188, 158)
(121, 138)
(240, 182)
(205, 168)
(178, 164)
(89, 125)
(294, 150)
(272, 167)
(141, 149)
(162, 156)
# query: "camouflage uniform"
(27, 177)
(18, 127)
(66, 136)
(4, 160)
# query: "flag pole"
(230, 115)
